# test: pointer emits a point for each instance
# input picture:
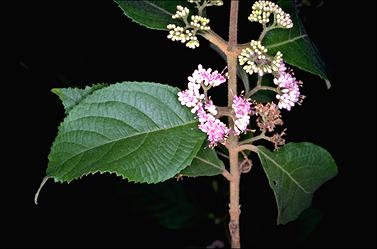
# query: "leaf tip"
(328, 84)
(39, 189)
(55, 90)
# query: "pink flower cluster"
(216, 130)
(204, 108)
(207, 77)
(206, 111)
(242, 110)
(289, 88)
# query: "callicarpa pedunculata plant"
(147, 132)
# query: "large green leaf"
(295, 44)
(294, 172)
(205, 163)
(138, 131)
(72, 96)
(153, 14)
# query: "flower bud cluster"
(261, 11)
(255, 59)
(187, 33)
(182, 12)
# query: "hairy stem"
(234, 205)
(227, 175)
(215, 39)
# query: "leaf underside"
(294, 172)
(138, 131)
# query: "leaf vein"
(285, 171)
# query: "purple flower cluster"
(242, 110)
(207, 77)
(206, 111)
(204, 108)
(288, 87)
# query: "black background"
(77, 43)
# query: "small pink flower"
(188, 98)
(210, 107)
(242, 109)
(212, 78)
(196, 76)
(241, 106)
(204, 108)
(289, 88)
(202, 115)
(206, 77)
(216, 130)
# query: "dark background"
(78, 43)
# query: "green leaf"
(153, 14)
(294, 172)
(138, 131)
(205, 163)
(295, 44)
(72, 96)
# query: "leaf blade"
(205, 163)
(153, 14)
(294, 173)
(124, 129)
(70, 97)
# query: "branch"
(258, 88)
(227, 175)
(259, 81)
(233, 23)
(232, 55)
(250, 147)
(266, 30)
(216, 40)
(224, 111)
(222, 154)
(242, 46)
(256, 138)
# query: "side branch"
(256, 138)
(258, 88)
(247, 147)
(227, 175)
(216, 40)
